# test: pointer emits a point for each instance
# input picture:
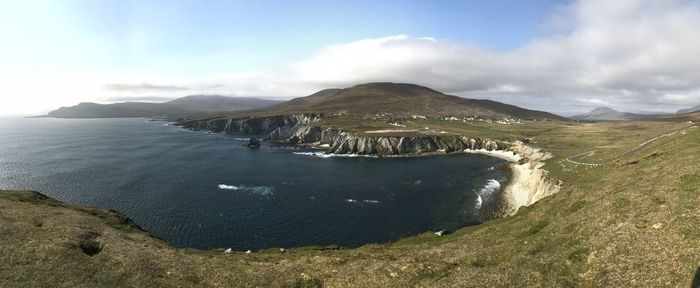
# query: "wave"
(330, 155)
(367, 201)
(491, 187)
(260, 190)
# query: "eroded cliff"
(528, 184)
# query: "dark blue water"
(195, 189)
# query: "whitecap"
(260, 190)
(329, 155)
(228, 187)
(350, 200)
(491, 187)
(370, 201)
(316, 154)
(479, 201)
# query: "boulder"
(253, 143)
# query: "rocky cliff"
(529, 182)
(300, 129)
(250, 125)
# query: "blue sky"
(193, 37)
(560, 56)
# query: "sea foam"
(260, 190)
(330, 155)
(491, 187)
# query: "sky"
(560, 56)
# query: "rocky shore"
(528, 184)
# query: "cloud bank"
(627, 54)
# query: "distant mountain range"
(689, 110)
(195, 104)
(609, 114)
(383, 98)
(396, 100)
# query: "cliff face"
(301, 129)
(262, 125)
(340, 142)
(529, 182)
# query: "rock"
(300, 129)
(628, 163)
(250, 125)
(253, 143)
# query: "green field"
(631, 220)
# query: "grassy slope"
(396, 99)
(611, 225)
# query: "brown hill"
(395, 99)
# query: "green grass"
(608, 226)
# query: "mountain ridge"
(689, 110)
(192, 104)
(609, 114)
(393, 100)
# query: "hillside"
(609, 114)
(394, 100)
(626, 216)
(689, 110)
(178, 107)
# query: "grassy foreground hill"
(626, 216)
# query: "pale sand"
(528, 182)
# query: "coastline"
(528, 182)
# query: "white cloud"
(628, 54)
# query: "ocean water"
(204, 190)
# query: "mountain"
(609, 114)
(178, 107)
(395, 99)
(689, 110)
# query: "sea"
(204, 190)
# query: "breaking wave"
(367, 201)
(330, 155)
(492, 187)
(260, 190)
